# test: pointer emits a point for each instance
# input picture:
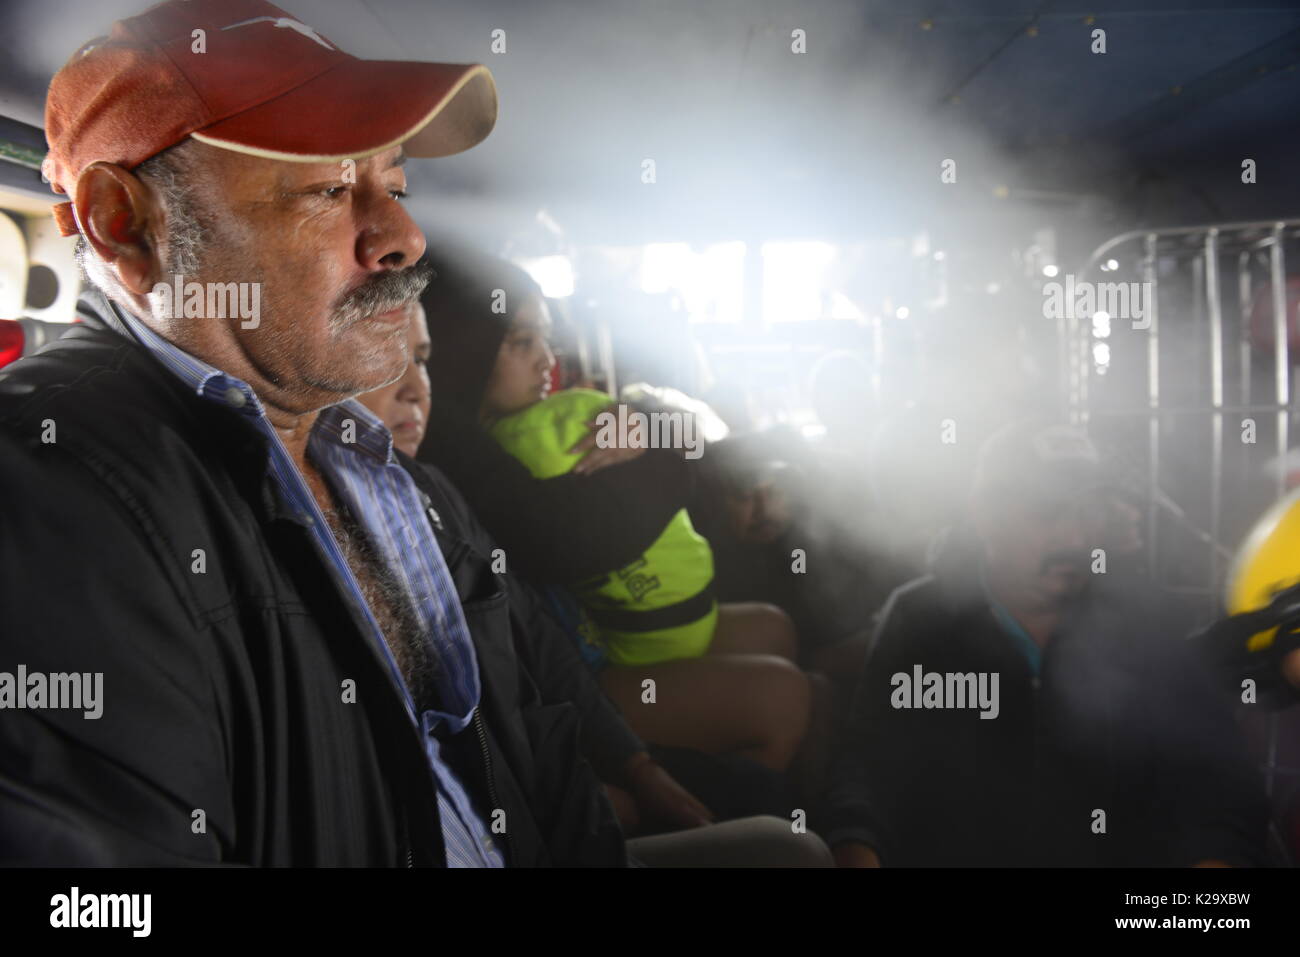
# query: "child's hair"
(469, 305)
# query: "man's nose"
(547, 361)
(389, 238)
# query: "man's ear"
(121, 221)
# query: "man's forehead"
(392, 158)
(244, 166)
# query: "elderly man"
(299, 662)
(1022, 705)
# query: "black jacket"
(548, 653)
(223, 689)
(1122, 720)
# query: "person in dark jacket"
(489, 324)
(210, 676)
(1021, 707)
(643, 793)
(298, 659)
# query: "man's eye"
(334, 192)
(398, 193)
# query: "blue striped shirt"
(354, 450)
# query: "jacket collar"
(236, 398)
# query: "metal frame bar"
(1204, 245)
(1214, 313)
(1150, 262)
(1281, 350)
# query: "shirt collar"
(349, 423)
(207, 381)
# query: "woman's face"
(521, 376)
(404, 405)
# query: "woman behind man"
(489, 359)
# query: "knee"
(744, 842)
(777, 843)
(786, 695)
(787, 686)
(777, 629)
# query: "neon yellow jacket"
(657, 608)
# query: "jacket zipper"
(487, 767)
(406, 839)
(479, 730)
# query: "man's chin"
(373, 360)
(351, 383)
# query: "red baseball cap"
(243, 75)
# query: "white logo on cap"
(295, 25)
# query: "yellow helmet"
(1266, 566)
(1267, 563)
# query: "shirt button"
(235, 398)
(306, 519)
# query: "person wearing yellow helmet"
(1258, 643)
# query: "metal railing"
(1204, 249)
(1197, 259)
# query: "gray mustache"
(385, 292)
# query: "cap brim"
(363, 107)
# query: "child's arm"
(562, 529)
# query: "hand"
(661, 799)
(855, 855)
(595, 458)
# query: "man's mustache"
(384, 293)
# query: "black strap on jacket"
(656, 619)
